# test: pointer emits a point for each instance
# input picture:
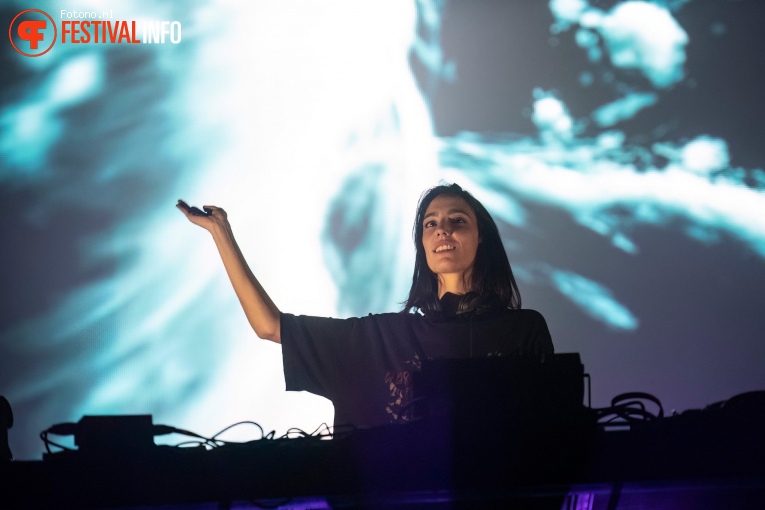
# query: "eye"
(429, 223)
(458, 219)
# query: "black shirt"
(364, 365)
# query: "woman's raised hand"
(261, 312)
(208, 219)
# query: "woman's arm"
(258, 307)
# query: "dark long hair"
(492, 278)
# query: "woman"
(463, 291)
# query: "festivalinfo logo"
(33, 32)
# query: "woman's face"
(450, 235)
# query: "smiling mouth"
(444, 247)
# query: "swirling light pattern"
(317, 125)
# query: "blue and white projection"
(617, 144)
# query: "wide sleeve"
(315, 352)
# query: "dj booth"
(489, 434)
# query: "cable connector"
(161, 430)
(63, 429)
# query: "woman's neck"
(454, 283)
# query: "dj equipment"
(6, 422)
(497, 432)
(480, 393)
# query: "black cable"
(628, 409)
(343, 430)
(62, 429)
(639, 395)
(184, 443)
(161, 430)
(263, 434)
(323, 425)
(59, 429)
(303, 433)
(321, 432)
(48, 442)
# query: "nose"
(444, 229)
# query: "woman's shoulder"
(528, 315)
(389, 319)
(527, 312)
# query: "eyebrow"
(450, 211)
